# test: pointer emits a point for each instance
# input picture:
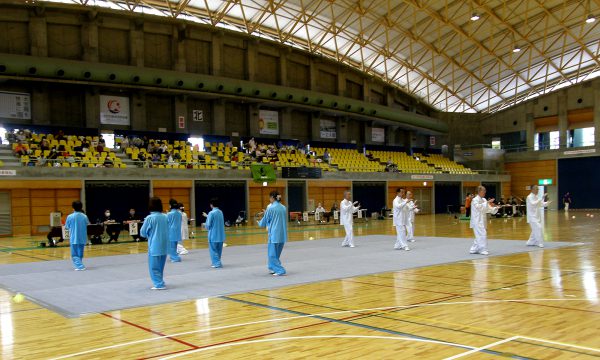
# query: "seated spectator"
(44, 145)
(99, 147)
(21, 149)
(53, 155)
(108, 162)
(42, 161)
(124, 143)
(170, 160)
(60, 136)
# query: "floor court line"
(85, 352)
(560, 343)
(488, 264)
(319, 337)
(485, 347)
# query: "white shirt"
(400, 211)
(320, 209)
(346, 211)
(184, 226)
(479, 210)
(413, 209)
(534, 208)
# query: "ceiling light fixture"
(516, 49)
(475, 17)
(590, 19)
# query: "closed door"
(5, 215)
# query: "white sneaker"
(406, 248)
(82, 269)
(411, 240)
(351, 246)
(541, 245)
(484, 252)
(472, 251)
(158, 288)
(183, 252)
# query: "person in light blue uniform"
(174, 219)
(156, 230)
(216, 233)
(275, 220)
(77, 223)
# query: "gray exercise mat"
(122, 281)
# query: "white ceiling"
(430, 49)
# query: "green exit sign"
(545, 182)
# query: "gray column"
(138, 111)
(92, 108)
(342, 129)
(252, 52)
(314, 74)
(315, 126)
(563, 120)
(40, 105)
(217, 54)
(530, 129)
(367, 90)
(283, 67)
(38, 36)
(136, 41)
(341, 79)
(89, 39)
(181, 110)
(285, 124)
(218, 120)
(179, 63)
(253, 120)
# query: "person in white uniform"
(412, 210)
(534, 217)
(319, 211)
(480, 207)
(185, 231)
(347, 208)
(400, 217)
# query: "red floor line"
(486, 298)
(352, 317)
(484, 281)
(150, 331)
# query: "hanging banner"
(15, 105)
(378, 135)
(268, 122)
(114, 110)
(328, 129)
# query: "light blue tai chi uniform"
(275, 220)
(77, 223)
(156, 230)
(174, 219)
(216, 235)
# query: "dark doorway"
(447, 197)
(370, 194)
(231, 195)
(296, 196)
(118, 196)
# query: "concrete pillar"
(285, 124)
(315, 126)
(218, 120)
(217, 56)
(253, 117)
(92, 108)
(563, 120)
(596, 103)
(179, 63)
(530, 130)
(283, 68)
(367, 90)
(38, 36)
(341, 79)
(181, 110)
(314, 74)
(40, 105)
(252, 52)
(138, 111)
(89, 39)
(390, 135)
(136, 41)
(342, 129)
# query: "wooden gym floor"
(538, 305)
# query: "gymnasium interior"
(115, 102)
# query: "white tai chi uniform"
(181, 250)
(534, 219)
(346, 211)
(400, 216)
(479, 210)
(410, 226)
